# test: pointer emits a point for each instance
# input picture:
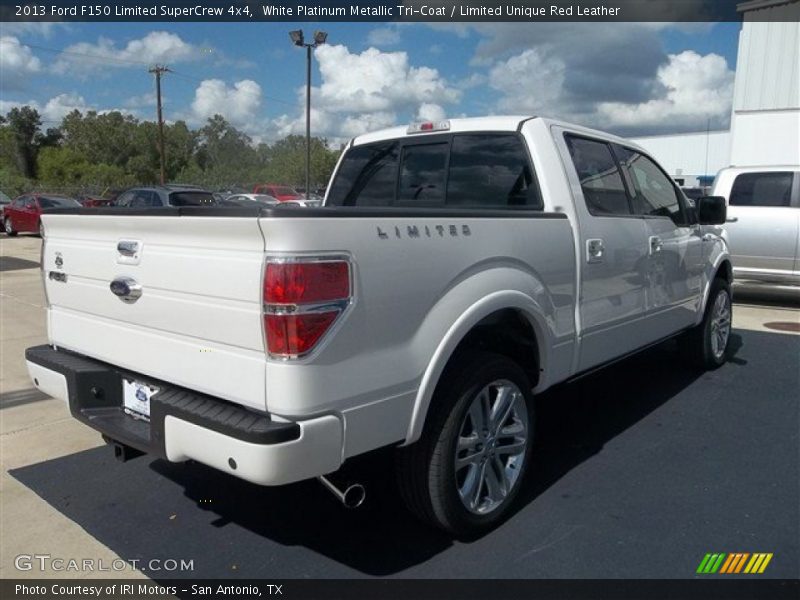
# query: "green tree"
(24, 123)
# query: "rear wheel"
(9, 227)
(465, 471)
(706, 345)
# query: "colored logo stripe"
(734, 562)
(710, 563)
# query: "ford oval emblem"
(126, 288)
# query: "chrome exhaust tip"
(352, 496)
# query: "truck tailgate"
(198, 320)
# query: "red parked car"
(281, 192)
(24, 213)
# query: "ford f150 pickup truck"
(456, 269)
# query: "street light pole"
(298, 40)
(308, 121)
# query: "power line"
(262, 95)
(136, 62)
(73, 53)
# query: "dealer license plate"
(136, 398)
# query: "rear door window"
(422, 174)
(490, 171)
(599, 176)
(762, 189)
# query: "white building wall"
(690, 155)
(765, 124)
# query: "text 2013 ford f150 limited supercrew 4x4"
(456, 269)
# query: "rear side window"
(485, 170)
(599, 176)
(762, 189)
(367, 176)
(191, 199)
(653, 193)
(490, 171)
(422, 174)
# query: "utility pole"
(158, 71)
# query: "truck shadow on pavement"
(147, 509)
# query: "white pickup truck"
(456, 269)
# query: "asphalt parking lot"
(640, 470)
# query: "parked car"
(250, 200)
(457, 269)
(4, 201)
(93, 200)
(763, 222)
(24, 213)
(303, 203)
(281, 192)
(165, 195)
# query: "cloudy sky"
(630, 78)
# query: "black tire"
(427, 476)
(696, 344)
(9, 229)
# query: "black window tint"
(600, 179)
(422, 174)
(762, 189)
(653, 192)
(124, 199)
(366, 177)
(56, 202)
(145, 199)
(191, 199)
(490, 171)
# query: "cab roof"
(490, 123)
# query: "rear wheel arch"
(513, 328)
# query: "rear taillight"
(302, 300)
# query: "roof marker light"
(428, 126)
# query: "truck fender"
(484, 307)
(718, 260)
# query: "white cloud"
(367, 91)
(58, 107)
(155, 47)
(54, 110)
(430, 111)
(383, 36)
(239, 104)
(20, 28)
(144, 100)
(17, 62)
(697, 87)
(528, 83)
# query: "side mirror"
(711, 210)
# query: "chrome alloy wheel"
(491, 446)
(720, 324)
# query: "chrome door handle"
(732, 220)
(655, 244)
(595, 250)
